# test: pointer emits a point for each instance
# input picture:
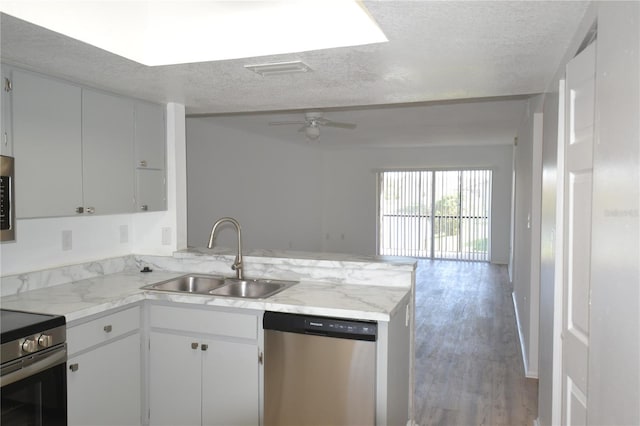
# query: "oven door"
(36, 394)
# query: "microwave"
(7, 209)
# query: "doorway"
(437, 214)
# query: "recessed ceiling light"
(154, 32)
(277, 68)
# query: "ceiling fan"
(313, 120)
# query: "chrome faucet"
(237, 263)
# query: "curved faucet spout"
(237, 264)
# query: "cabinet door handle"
(194, 345)
(73, 367)
(79, 209)
(144, 207)
(91, 210)
(260, 358)
(204, 347)
(143, 163)
(108, 328)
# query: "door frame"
(558, 299)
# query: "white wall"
(527, 233)
(39, 241)
(350, 190)
(271, 187)
(614, 346)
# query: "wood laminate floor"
(468, 365)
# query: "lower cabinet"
(104, 370)
(204, 367)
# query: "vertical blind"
(435, 213)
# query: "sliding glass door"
(441, 214)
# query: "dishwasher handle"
(321, 326)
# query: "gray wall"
(271, 187)
(303, 197)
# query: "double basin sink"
(213, 285)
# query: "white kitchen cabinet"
(104, 370)
(175, 365)
(150, 157)
(151, 190)
(150, 136)
(230, 392)
(204, 366)
(107, 152)
(81, 151)
(105, 388)
(47, 145)
(6, 135)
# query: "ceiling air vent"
(279, 68)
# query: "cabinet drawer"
(102, 329)
(222, 323)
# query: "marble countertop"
(290, 257)
(79, 299)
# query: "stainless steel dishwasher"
(319, 371)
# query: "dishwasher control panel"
(350, 327)
(321, 326)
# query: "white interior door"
(576, 256)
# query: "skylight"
(164, 32)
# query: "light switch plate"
(67, 240)
(166, 236)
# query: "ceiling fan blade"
(278, 123)
(339, 125)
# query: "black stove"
(24, 333)
(33, 354)
(17, 324)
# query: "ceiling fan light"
(313, 132)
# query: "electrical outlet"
(166, 236)
(67, 240)
(124, 234)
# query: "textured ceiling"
(437, 51)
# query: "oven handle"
(51, 359)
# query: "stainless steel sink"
(219, 286)
(251, 289)
(191, 283)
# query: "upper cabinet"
(150, 157)
(47, 145)
(107, 152)
(77, 150)
(6, 135)
(150, 136)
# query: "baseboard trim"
(523, 349)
